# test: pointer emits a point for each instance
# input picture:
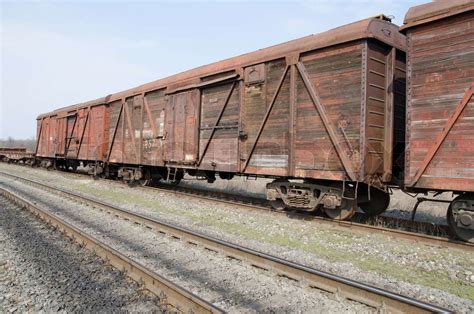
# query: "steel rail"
(409, 235)
(395, 232)
(342, 287)
(170, 294)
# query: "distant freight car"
(321, 109)
(16, 155)
(440, 106)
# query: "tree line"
(30, 143)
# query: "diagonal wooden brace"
(221, 113)
(115, 132)
(130, 129)
(149, 115)
(83, 132)
(39, 136)
(267, 114)
(442, 136)
(341, 152)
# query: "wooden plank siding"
(336, 75)
(115, 133)
(271, 152)
(441, 63)
(91, 143)
(153, 124)
(311, 108)
(222, 151)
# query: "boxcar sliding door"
(219, 127)
(182, 111)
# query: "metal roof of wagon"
(378, 27)
(435, 10)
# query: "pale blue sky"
(55, 54)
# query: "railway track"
(417, 231)
(171, 295)
(422, 232)
(341, 287)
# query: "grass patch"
(325, 242)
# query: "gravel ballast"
(430, 273)
(232, 285)
(40, 270)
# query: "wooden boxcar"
(440, 107)
(321, 109)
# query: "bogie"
(460, 217)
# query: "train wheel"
(463, 203)
(144, 182)
(347, 208)
(278, 204)
(379, 201)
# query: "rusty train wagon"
(317, 114)
(16, 155)
(440, 83)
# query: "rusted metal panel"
(440, 155)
